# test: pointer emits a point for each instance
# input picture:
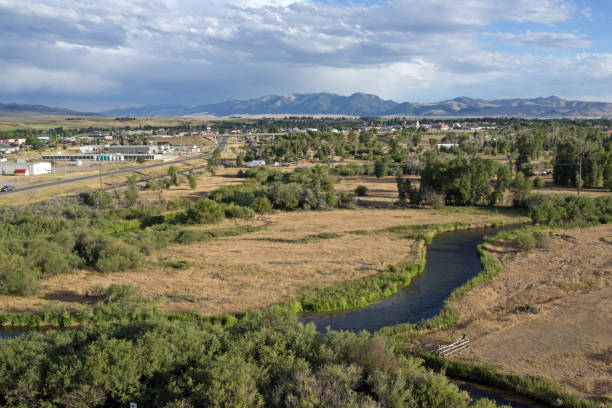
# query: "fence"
(454, 348)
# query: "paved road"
(222, 146)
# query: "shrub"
(261, 205)
(99, 199)
(538, 182)
(346, 200)
(179, 264)
(117, 256)
(20, 282)
(206, 211)
(361, 191)
(524, 242)
(116, 293)
(186, 237)
(236, 211)
(542, 239)
(430, 197)
(286, 196)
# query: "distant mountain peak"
(357, 104)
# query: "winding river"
(452, 260)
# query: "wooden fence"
(455, 348)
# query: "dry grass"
(380, 192)
(567, 336)
(205, 184)
(241, 273)
(54, 121)
(86, 185)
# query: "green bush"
(556, 209)
(361, 191)
(345, 200)
(265, 359)
(525, 242)
(539, 182)
(542, 239)
(116, 256)
(235, 211)
(20, 282)
(117, 293)
(206, 211)
(261, 205)
(286, 196)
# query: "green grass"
(536, 388)
(359, 293)
(491, 267)
(305, 240)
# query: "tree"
(174, 176)
(380, 168)
(193, 183)
(403, 189)
(502, 182)
(132, 192)
(213, 162)
(521, 190)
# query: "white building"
(25, 169)
(256, 163)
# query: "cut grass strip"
(305, 240)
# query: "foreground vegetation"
(266, 359)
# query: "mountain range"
(358, 104)
(13, 109)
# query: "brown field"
(54, 121)
(246, 272)
(380, 192)
(568, 336)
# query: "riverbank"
(546, 315)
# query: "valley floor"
(295, 252)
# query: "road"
(222, 146)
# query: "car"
(5, 189)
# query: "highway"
(222, 146)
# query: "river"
(452, 260)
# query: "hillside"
(360, 104)
(13, 109)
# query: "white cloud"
(549, 40)
(173, 50)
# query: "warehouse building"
(25, 169)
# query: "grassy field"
(546, 314)
(295, 253)
(55, 121)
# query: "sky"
(102, 54)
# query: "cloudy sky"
(99, 54)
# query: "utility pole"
(580, 167)
(100, 167)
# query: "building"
(25, 169)
(300, 158)
(7, 148)
(256, 163)
(103, 157)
